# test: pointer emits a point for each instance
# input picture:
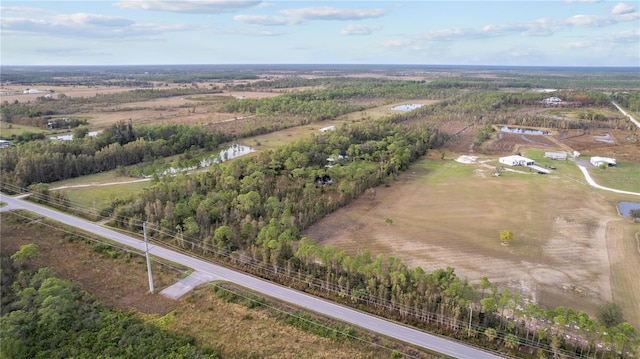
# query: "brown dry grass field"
(238, 331)
(179, 109)
(571, 246)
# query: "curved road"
(366, 321)
(593, 183)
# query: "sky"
(472, 32)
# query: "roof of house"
(603, 159)
(515, 158)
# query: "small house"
(599, 161)
(516, 160)
(556, 155)
(328, 128)
(552, 100)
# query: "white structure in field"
(599, 161)
(328, 128)
(516, 160)
(552, 100)
(556, 155)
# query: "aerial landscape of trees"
(250, 213)
(44, 316)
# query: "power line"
(314, 282)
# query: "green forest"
(47, 317)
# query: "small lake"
(625, 208)
(406, 107)
(525, 131)
(224, 155)
(69, 137)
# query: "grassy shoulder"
(11, 129)
(624, 176)
(219, 317)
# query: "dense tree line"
(501, 108)
(628, 100)
(118, 145)
(47, 317)
(251, 192)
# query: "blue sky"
(137, 32)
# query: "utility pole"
(470, 316)
(146, 251)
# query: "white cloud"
(448, 34)
(359, 29)
(585, 1)
(19, 9)
(622, 37)
(578, 44)
(587, 20)
(539, 27)
(302, 15)
(254, 32)
(397, 43)
(189, 6)
(71, 51)
(82, 19)
(332, 13)
(622, 8)
(264, 20)
(602, 20)
(82, 25)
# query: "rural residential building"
(599, 161)
(328, 128)
(556, 155)
(552, 100)
(516, 160)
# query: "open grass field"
(95, 198)
(121, 282)
(92, 193)
(9, 129)
(624, 176)
(447, 213)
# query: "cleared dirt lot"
(447, 213)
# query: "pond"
(625, 208)
(526, 131)
(69, 137)
(224, 155)
(406, 107)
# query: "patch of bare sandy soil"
(560, 254)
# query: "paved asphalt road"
(285, 294)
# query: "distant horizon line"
(328, 65)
